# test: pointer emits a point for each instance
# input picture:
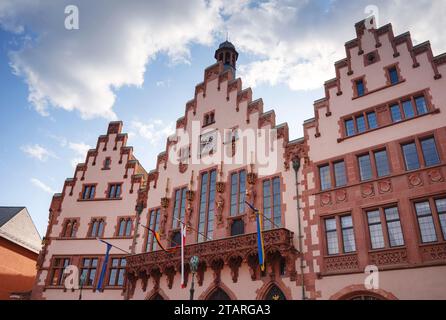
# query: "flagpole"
(146, 227)
(192, 228)
(262, 214)
(99, 239)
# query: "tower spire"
(227, 54)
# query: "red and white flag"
(183, 244)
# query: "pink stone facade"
(208, 196)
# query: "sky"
(139, 62)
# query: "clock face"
(208, 142)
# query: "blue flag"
(260, 247)
(104, 267)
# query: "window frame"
(373, 164)
(419, 150)
(431, 200)
(384, 222)
(61, 276)
(119, 268)
(115, 194)
(239, 193)
(125, 221)
(89, 268)
(339, 233)
(82, 194)
(98, 220)
(272, 206)
(150, 243)
(207, 204)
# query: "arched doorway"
(218, 294)
(274, 293)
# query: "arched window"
(101, 227)
(67, 229)
(122, 223)
(73, 229)
(128, 229)
(218, 294)
(94, 229)
(274, 293)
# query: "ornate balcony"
(232, 251)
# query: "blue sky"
(140, 64)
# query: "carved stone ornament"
(220, 203)
(215, 254)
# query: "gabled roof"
(7, 213)
(17, 226)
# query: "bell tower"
(228, 55)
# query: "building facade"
(364, 188)
(20, 244)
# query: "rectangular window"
(117, 271)
(349, 128)
(371, 119)
(365, 167)
(430, 153)
(440, 205)
(360, 88)
(272, 208)
(57, 276)
(340, 176)
(114, 191)
(332, 236)
(88, 270)
(425, 222)
(411, 156)
(375, 229)
(324, 174)
(238, 190)
(382, 163)
(179, 207)
(393, 75)
(408, 109)
(394, 227)
(207, 205)
(395, 113)
(154, 217)
(348, 236)
(360, 124)
(88, 192)
(420, 102)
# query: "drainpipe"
(296, 166)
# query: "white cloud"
(82, 69)
(38, 152)
(155, 131)
(286, 42)
(39, 184)
(297, 42)
(80, 149)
